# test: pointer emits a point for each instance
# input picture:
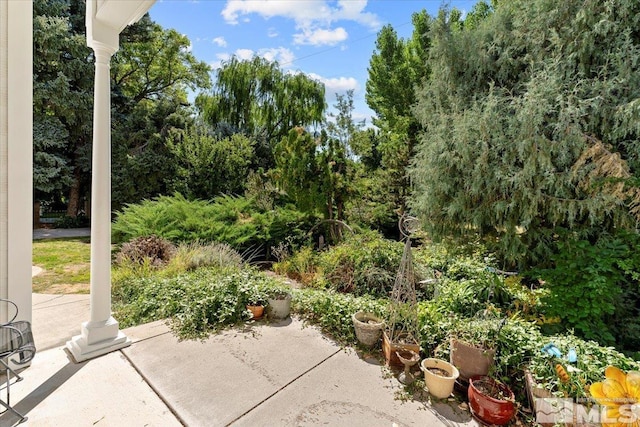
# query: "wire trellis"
(403, 311)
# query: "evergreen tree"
(531, 125)
(62, 101)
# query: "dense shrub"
(236, 221)
(78, 221)
(153, 249)
(593, 289)
(364, 264)
(300, 266)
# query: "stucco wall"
(16, 151)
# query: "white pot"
(368, 328)
(280, 308)
(439, 386)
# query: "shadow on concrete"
(43, 391)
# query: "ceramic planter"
(470, 361)
(439, 385)
(368, 328)
(389, 349)
(491, 401)
(256, 310)
(552, 411)
(279, 308)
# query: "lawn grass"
(66, 264)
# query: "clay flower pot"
(491, 401)
(439, 377)
(256, 310)
(470, 360)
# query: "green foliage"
(194, 255)
(332, 311)
(593, 288)
(208, 166)
(298, 171)
(364, 264)
(593, 359)
(79, 221)
(62, 96)
(315, 172)
(257, 97)
(301, 266)
(232, 220)
(196, 303)
(152, 73)
(523, 129)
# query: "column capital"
(100, 35)
(103, 52)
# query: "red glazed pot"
(488, 409)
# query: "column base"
(96, 339)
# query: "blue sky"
(332, 41)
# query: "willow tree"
(258, 98)
(531, 125)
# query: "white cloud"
(220, 57)
(336, 84)
(281, 54)
(272, 32)
(321, 37)
(313, 18)
(220, 41)
(244, 54)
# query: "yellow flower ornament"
(619, 393)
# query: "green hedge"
(237, 221)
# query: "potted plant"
(368, 328)
(279, 301)
(473, 345)
(255, 300)
(439, 377)
(491, 401)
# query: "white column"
(101, 334)
(16, 154)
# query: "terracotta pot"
(279, 308)
(256, 310)
(368, 328)
(389, 349)
(439, 386)
(488, 409)
(470, 361)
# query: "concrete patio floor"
(280, 374)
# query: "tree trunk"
(74, 195)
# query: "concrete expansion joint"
(149, 383)
(284, 387)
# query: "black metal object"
(17, 349)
